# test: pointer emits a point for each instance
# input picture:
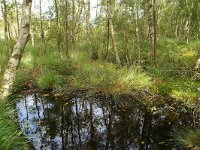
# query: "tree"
(14, 61)
(4, 12)
(110, 22)
(152, 28)
(41, 28)
(93, 48)
(58, 27)
(17, 16)
(66, 27)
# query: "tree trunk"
(58, 27)
(108, 36)
(137, 33)
(66, 37)
(4, 12)
(94, 55)
(15, 58)
(32, 35)
(187, 22)
(152, 28)
(17, 17)
(118, 61)
(41, 27)
(73, 25)
(197, 14)
(197, 66)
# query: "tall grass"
(49, 79)
(106, 78)
(10, 137)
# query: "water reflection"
(91, 124)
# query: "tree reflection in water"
(91, 124)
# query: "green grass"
(174, 58)
(49, 79)
(10, 137)
(182, 90)
(106, 78)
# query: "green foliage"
(181, 55)
(3, 58)
(27, 61)
(21, 79)
(49, 79)
(10, 137)
(181, 89)
(175, 59)
(106, 78)
(94, 76)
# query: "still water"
(83, 123)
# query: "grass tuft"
(106, 78)
(49, 79)
(10, 137)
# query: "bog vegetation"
(129, 46)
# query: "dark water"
(96, 123)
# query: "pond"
(85, 123)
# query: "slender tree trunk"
(41, 27)
(187, 22)
(13, 33)
(17, 16)
(15, 58)
(118, 61)
(66, 37)
(58, 28)
(137, 33)
(197, 14)
(4, 12)
(126, 39)
(32, 35)
(152, 28)
(97, 8)
(73, 24)
(94, 55)
(6, 31)
(108, 34)
(88, 16)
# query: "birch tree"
(112, 31)
(14, 61)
